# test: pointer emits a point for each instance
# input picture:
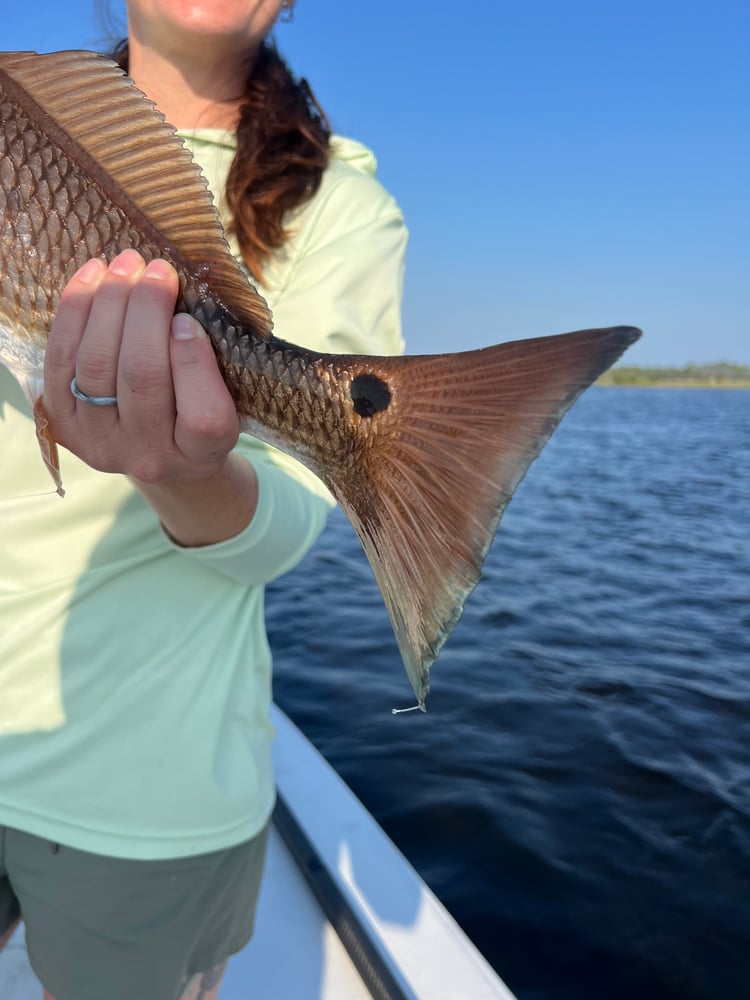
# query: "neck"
(191, 92)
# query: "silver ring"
(94, 400)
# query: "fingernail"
(184, 327)
(158, 269)
(90, 271)
(126, 262)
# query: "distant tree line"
(719, 373)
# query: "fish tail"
(449, 438)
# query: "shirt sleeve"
(337, 288)
(291, 512)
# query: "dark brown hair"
(283, 140)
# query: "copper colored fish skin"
(423, 453)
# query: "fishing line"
(26, 496)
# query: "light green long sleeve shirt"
(135, 675)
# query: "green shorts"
(106, 927)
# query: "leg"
(126, 928)
(202, 986)
(5, 938)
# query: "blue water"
(579, 792)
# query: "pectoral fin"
(47, 445)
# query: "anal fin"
(47, 445)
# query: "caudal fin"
(449, 439)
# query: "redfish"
(423, 453)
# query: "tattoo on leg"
(210, 980)
(203, 985)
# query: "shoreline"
(609, 383)
(707, 375)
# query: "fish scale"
(423, 453)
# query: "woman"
(135, 771)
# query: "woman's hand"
(115, 332)
(174, 425)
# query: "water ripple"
(579, 791)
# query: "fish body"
(423, 453)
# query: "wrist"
(208, 508)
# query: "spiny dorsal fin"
(89, 106)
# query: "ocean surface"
(578, 794)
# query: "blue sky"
(560, 165)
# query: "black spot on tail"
(370, 395)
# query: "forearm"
(205, 510)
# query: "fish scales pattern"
(294, 395)
(54, 220)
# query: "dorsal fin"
(87, 105)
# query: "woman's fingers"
(65, 338)
(206, 426)
(99, 349)
(116, 333)
(144, 377)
